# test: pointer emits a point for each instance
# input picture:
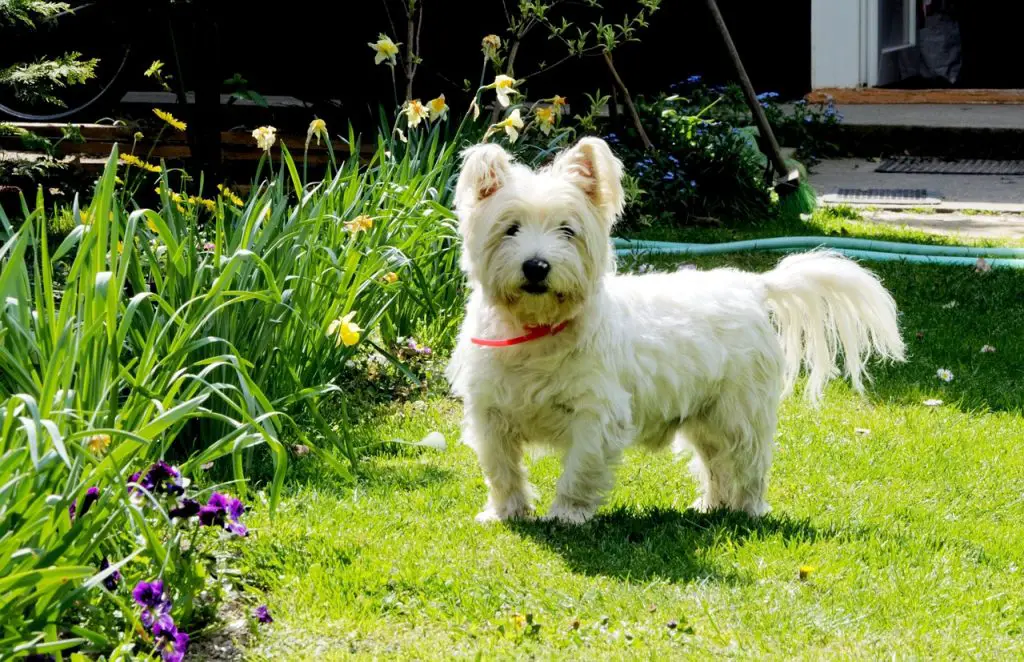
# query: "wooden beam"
(874, 95)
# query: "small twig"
(410, 50)
(629, 101)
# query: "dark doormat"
(881, 196)
(927, 166)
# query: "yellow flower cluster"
(132, 160)
(170, 119)
(227, 193)
(391, 278)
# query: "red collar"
(532, 333)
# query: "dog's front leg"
(499, 449)
(588, 470)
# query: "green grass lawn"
(906, 518)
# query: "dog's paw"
(518, 511)
(567, 513)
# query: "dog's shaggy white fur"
(699, 357)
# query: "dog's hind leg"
(732, 459)
(499, 449)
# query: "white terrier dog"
(557, 350)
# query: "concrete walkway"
(994, 193)
(999, 198)
(951, 116)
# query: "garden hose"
(867, 249)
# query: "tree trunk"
(629, 101)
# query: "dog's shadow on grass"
(672, 545)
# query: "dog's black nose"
(536, 270)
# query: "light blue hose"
(883, 251)
(829, 242)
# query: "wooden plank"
(873, 95)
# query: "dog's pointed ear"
(485, 169)
(590, 165)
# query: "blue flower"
(768, 95)
(263, 614)
(801, 102)
(694, 79)
(673, 159)
(693, 183)
(612, 138)
(669, 176)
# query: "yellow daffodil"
(170, 119)
(318, 129)
(503, 86)
(154, 69)
(359, 224)
(545, 116)
(265, 137)
(344, 330)
(438, 108)
(97, 443)
(558, 103)
(510, 124)
(416, 112)
(490, 45)
(385, 49)
(391, 278)
(132, 160)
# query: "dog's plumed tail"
(822, 303)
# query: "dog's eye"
(512, 230)
(567, 232)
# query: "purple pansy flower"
(172, 643)
(223, 511)
(91, 495)
(156, 608)
(158, 474)
(113, 579)
(263, 614)
(186, 508)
